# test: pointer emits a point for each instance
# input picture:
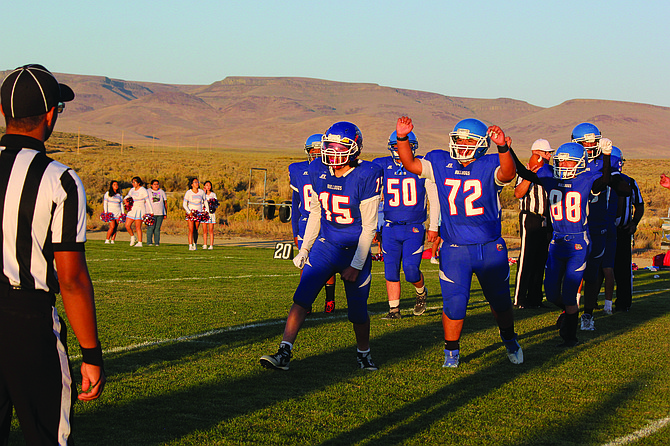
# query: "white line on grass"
(130, 259)
(642, 433)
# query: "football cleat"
(608, 307)
(420, 305)
(514, 352)
(365, 361)
(588, 324)
(394, 313)
(330, 306)
(278, 361)
(451, 358)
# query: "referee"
(630, 212)
(534, 230)
(42, 221)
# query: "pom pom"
(213, 204)
(203, 216)
(149, 219)
(122, 218)
(106, 217)
(128, 204)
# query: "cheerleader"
(141, 204)
(112, 203)
(194, 202)
(208, 226)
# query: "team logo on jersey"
(450, 166)
(323, 176)
(305, 173)
(462, 172)
(578, 247)
(389, 167)
(499, 247)
(415, 230)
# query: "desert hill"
(279, 113)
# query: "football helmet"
(616, 159)
(393, 145)
(341, 144)
(313, 146)
(470, 129)
(588, 136)
(570, 151)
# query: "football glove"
(300, 260)
(605, 146)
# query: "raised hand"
(403, 126)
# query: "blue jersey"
(340, 199)
(469, 202)
(568, 199)
(300, 183)
(302, 188)
(404, 193)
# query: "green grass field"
(183, 332)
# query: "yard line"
(642, 433)
(143, 259)
(178, 279)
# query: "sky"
(543, 53)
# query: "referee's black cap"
(32, 90)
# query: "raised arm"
(409, 162)
(507, 170)
(521, 169)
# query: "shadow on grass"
(217, 398)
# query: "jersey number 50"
(407, 190)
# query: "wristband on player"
(402, 138)
(93, 355)
(503, 149)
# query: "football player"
(404, 197)
(338, 236)
(568, 183)
(468, 183)
(302, 188)
(602, 230)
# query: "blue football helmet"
(341, 144)
(570, 151)
(616, 159)
(473, 129)
(393, 145)
(588, 136)
(313, 146)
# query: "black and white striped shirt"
(42, 210)
(626, 211)
(535, 200)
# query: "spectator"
(158, 200)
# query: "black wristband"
(92, 356)
(503, 149)
(402, 138)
